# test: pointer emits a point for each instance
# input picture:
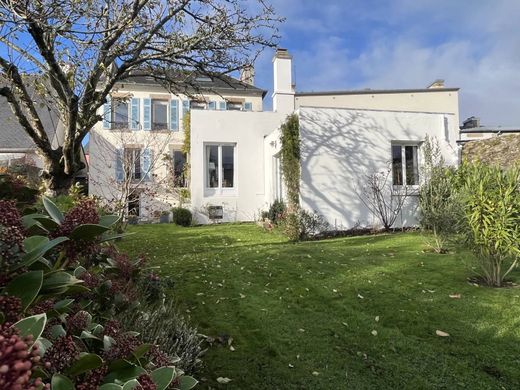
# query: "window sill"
(216, 192)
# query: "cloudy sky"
(351, 44)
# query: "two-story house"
(235, 145)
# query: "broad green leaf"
(107, 342)
(110, 386)
(88, 231)
(60, 306)
(57, 331)
(187, 382)
(87, 335)
(58, 280)
(43, 344)
(32, 325)
(162, 377)
(131, 384)
(125, 374)
(86, 362)
(61, 382)
(38, 252)
(33, 242)
(46, 222)
(141, 350)
(53, 210)
(105, 238)
(26, 287)
(108, 220)
(79, 271)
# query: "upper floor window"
(197, 105)
(405, 166)
(159, 114)
(119, 114)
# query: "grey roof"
(222, 84)
(491, 129)
(374, 91)
(12, 135)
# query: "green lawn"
(347, 313)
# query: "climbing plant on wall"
(186, 148)
(290, 165)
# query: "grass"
(346, 313)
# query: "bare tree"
(384, 200)
(80, 50)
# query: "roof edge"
(376, 91)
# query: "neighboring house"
(472, 130)
(234, 155)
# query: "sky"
(379, 44)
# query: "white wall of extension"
(340, 146)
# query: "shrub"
(439, 202)
(165, 326)
(276, 211)
(181, 216)
(311, 224)
(492, 225)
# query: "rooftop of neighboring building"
(472, 125)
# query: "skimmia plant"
(61, 284)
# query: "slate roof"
(222, 84)
(12, 135)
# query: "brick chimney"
(283, 89)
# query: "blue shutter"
(134, 113)
(147, 114)
(222, 106)
(146, 164)
(119, 165)
(174, 115)
(248, 106)
(212, 105)
(185, 106)
(106, 113)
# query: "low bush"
(277, 211)
(304, 224)
(181, 216)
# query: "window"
(405, 167)
(159, 114)
(220, 166)
(197, 105)
(132, 163)
(179, 163)
(234, 106)
(119, 114)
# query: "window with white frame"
(405, 165)
(159, 114)
(220, 166)
(132, 163)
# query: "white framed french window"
(220, 173)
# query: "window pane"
(397, 165)
(120, 114)
(212, 167)
(159, 114)
(412, 171)
(132, 163)
(228, 166)
(179, 160)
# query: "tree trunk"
(56, 180)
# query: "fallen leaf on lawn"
(290, 365)
(223, 380)
(455, 296)
(301, 330)
(344, 323)
(441, 333)
(360, 296)
(315, 373)
(231, 348)
(334, 290)
(377, 318)
(242, 295)
(374, 333)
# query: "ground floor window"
(405, 166)
(179, 166)
(220, 166)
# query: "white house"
(235, 168)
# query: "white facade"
(234, 157)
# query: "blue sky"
(341, 44)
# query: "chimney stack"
(247, 74)
(283, 89)
(439, 83)
(471, 123)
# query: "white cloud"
(406, 44)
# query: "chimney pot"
(247, 74)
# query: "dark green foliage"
(181, 216)
(290, 160)
(16, 189)
(276, 211)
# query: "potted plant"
(165, 217)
